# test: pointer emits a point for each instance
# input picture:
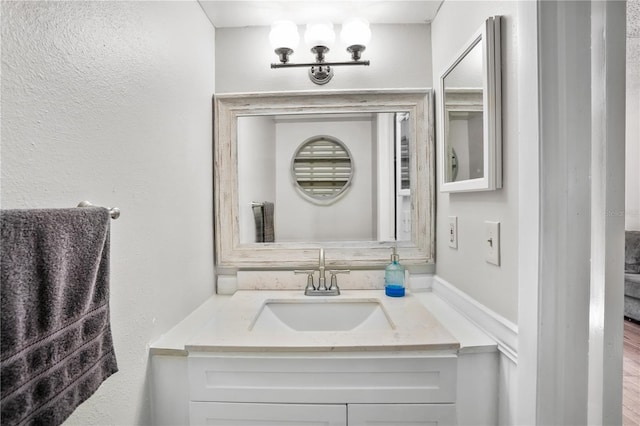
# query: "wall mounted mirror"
(375, 153)
(471, 128)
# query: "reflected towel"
(56, 345)
(267, 217)
(259, 219)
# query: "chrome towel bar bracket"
(114, 212)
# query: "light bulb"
(284, 34)
(355, 31)
(319, 34)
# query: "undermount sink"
(322, 315)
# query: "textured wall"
(111, 102)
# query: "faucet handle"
(309, 273)
(334, 279)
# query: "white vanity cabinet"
(214, 368)
(401, 414)
(246, 414)
(393, 388)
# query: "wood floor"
(631, 375)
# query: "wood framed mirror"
(252, 156)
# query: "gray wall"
(256, 170)
(400, 57)
(349, 217)
(496, 287)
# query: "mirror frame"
(231, 254)
(489, 38)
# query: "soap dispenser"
(394, 277)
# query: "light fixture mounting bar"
(315, 64)
(320, 35)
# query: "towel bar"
(256, 204)
(114, 212)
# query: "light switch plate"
(452, 232)
(492, 242)
(406, 220)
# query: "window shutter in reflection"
(322, 168)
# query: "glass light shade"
(284, 34)
(320, 34)
(355, 31)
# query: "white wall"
(400, 57)
(468, 72)
(350, 217)
(458, 136)
(632, 191)
(496, 287)
(256, 170)
(111, 102)
(506, 293)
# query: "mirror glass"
(268, 213)
(463, 106)
(470, 88)
(351, 183)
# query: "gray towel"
(267, 216)
(56, 346)
(259, 218)
(263, 215)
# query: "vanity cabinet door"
(241, 414)
(402, 414)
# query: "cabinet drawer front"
(236, 414)
(389, 379)
(402, 415)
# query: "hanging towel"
(259, 219)
(56, 346)
(263, 215)
(267, 217)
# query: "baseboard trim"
(503, 331)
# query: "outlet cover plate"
(452, 232)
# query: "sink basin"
(322, 315)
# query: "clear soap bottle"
(394, 277)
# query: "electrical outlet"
(453, 232)
(492, 242)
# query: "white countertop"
(231, 328)
(223, 323)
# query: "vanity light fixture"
(320, 36)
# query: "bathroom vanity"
(275, 357)
(261, 352)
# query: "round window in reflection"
(322, 169)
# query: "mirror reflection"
(328, 177)
(463, 110)
(321, 169)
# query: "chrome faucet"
(322, 281)
(321, 289)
